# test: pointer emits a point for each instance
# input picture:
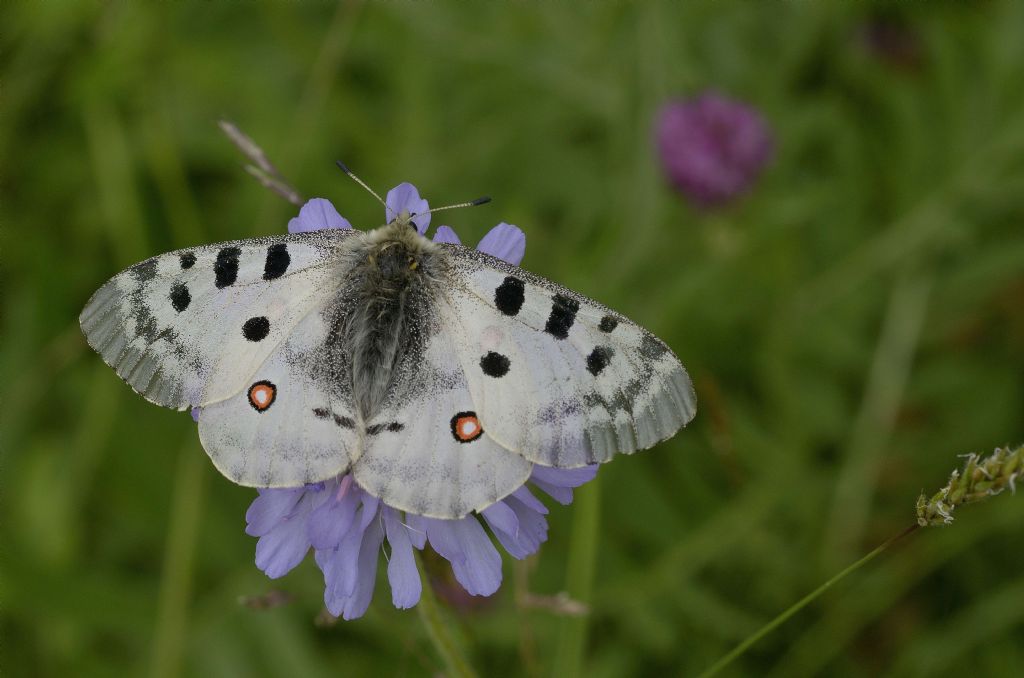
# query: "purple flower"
(347, 527)
(712, 148)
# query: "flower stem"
(801, 604)
(172, 623)
(439, 631)
(571, 654)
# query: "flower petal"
(406, 198)
(370, 505)
(505, 241)
(713, 148)
(446, 234)
(284, 547)
(354, 604)
(465, 544)
(558, 482)
(281, 549)
(505, 525)
(195, 414)
(500, 517)
(564, 477)
(524, 495)
(269, 509)
(417, 527)
(330, 521)
(340, 565)
(316, 215)
(403, 576)
(533, 530)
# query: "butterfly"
(435, 374)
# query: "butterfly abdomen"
(394, 274)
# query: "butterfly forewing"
(190, 327)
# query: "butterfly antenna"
(344, 168)
(472, 203)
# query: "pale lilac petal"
(446, 234)
(195, 414)
(330, 521)
(406, 198)
(353, 605)
(563, 495)
(500, 517)
(340, 565)
(403, 576)
(370, 505)
(524, 495)
(284, 547)
(316, 215)
(417, 527)
(533, 530)
(558, 482)
(281, 549)
(504, 524)
(505, 241)
(564, 477)
(269, 509)
(465, 544)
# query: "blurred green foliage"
(852, 325)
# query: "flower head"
(712, 148)
(347, 528)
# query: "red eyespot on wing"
(466, 427)
(262, 395)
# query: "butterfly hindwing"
(554, 375)
(294, 421)
(189, 327)
(426, 451)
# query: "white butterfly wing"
(555, 376)
(426, 452)
(189, 327)
(294, 421)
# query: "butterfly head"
(405, 218)
(397, 251)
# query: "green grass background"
(851, 326)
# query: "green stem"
(439, 631)
(800, 604)
(179, 561)
(570, 656)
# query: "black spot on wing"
(324, 413)
(494, 364)
(608, 324)
(256, 329)
(187, 260)
(144, 271)
(652, 348)
(277, 262)
(180, 297)
(393, 427)
(563, 315)
(509, 295)
(226, 267)
(599, 359)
